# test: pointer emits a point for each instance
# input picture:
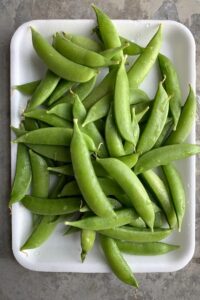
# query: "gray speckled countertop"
(17, 283)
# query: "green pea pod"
(65, 170)
(132, 186)
(145, 61)
(18, 131)
(44, 90)
(52, 120)
(172, 87)
(110, 53)
(104, 87)
(165, 133)
(23, 175)
(58, 136)
(132, 49)
(116, 261)
(27, 88)
(79, 54)
(122, 217)
(164, 155)
(122, 104)
(108, 31)
(51, 207)
(129, 148)
(87, 240)
(138, 96)
(138, 235)
(85, 176)
(129, 160)
(62, 87)
(58, 64)
(84, 42)
(177, 191)
(156, 121)
(57, 153)
(154, 248)
(113, 139)
(162, 194)
(62, 110)
(185, 121)
(30, 124)
(40, 175)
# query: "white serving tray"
(62, 253)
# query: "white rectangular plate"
(62, 253)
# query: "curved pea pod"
(27, 88)
(62, 87)
(108, 31)
(58, 64)
(87, 240)
(139, 235)
(132, 186)
(52, 120)
(162, 194)
(113, 139)
(172, 87)
(156, 121)
(138, 96)
(132, 48)
(85, 175)
(145, 61)
(165, 133)
(185, 122)
(41, 233)
(58, 136)
(116, 261)
(23, 175)
(129, 160)
(122, 217)
(83, 41)
(43, 90)
(52, 207)
(65, 170)
(99, 109)
(104, 87)
(57, 153)
(62, 110)
(40, 175)
(129, 148)
(177, 191)
(153, 248)
(79, 54)
(164, 155)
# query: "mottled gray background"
(20, 284)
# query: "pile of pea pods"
(101, 143)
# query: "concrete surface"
(16, 283)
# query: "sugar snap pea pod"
(62, 110)
(85, 176)
(79, 112)
(99, 109)
(104, 87)
(129, 147)
(65, 170)
(62, 87)
(58, 136)
(139, 235)
(53, 120)
(110, 53)
(113, 139)
(44, 90)
(185, 121)
(40, 175)
(172, 87)
(165, 133)
(57, 153)
(116, 261)
(161, 191)
(84, 42)
(129, 160)
(58, 64)
(107, 31)
(153, 248)
(132, 186)
(87, 240)
(52, 207)
(132, 49)
(156, 121)
(145, 61)
(122, 217)
(138, 96)
(114, 202)
(122, 104)
(164, 155)
(177, 191)
(27, 88)
(23, 175)
(79, 54)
